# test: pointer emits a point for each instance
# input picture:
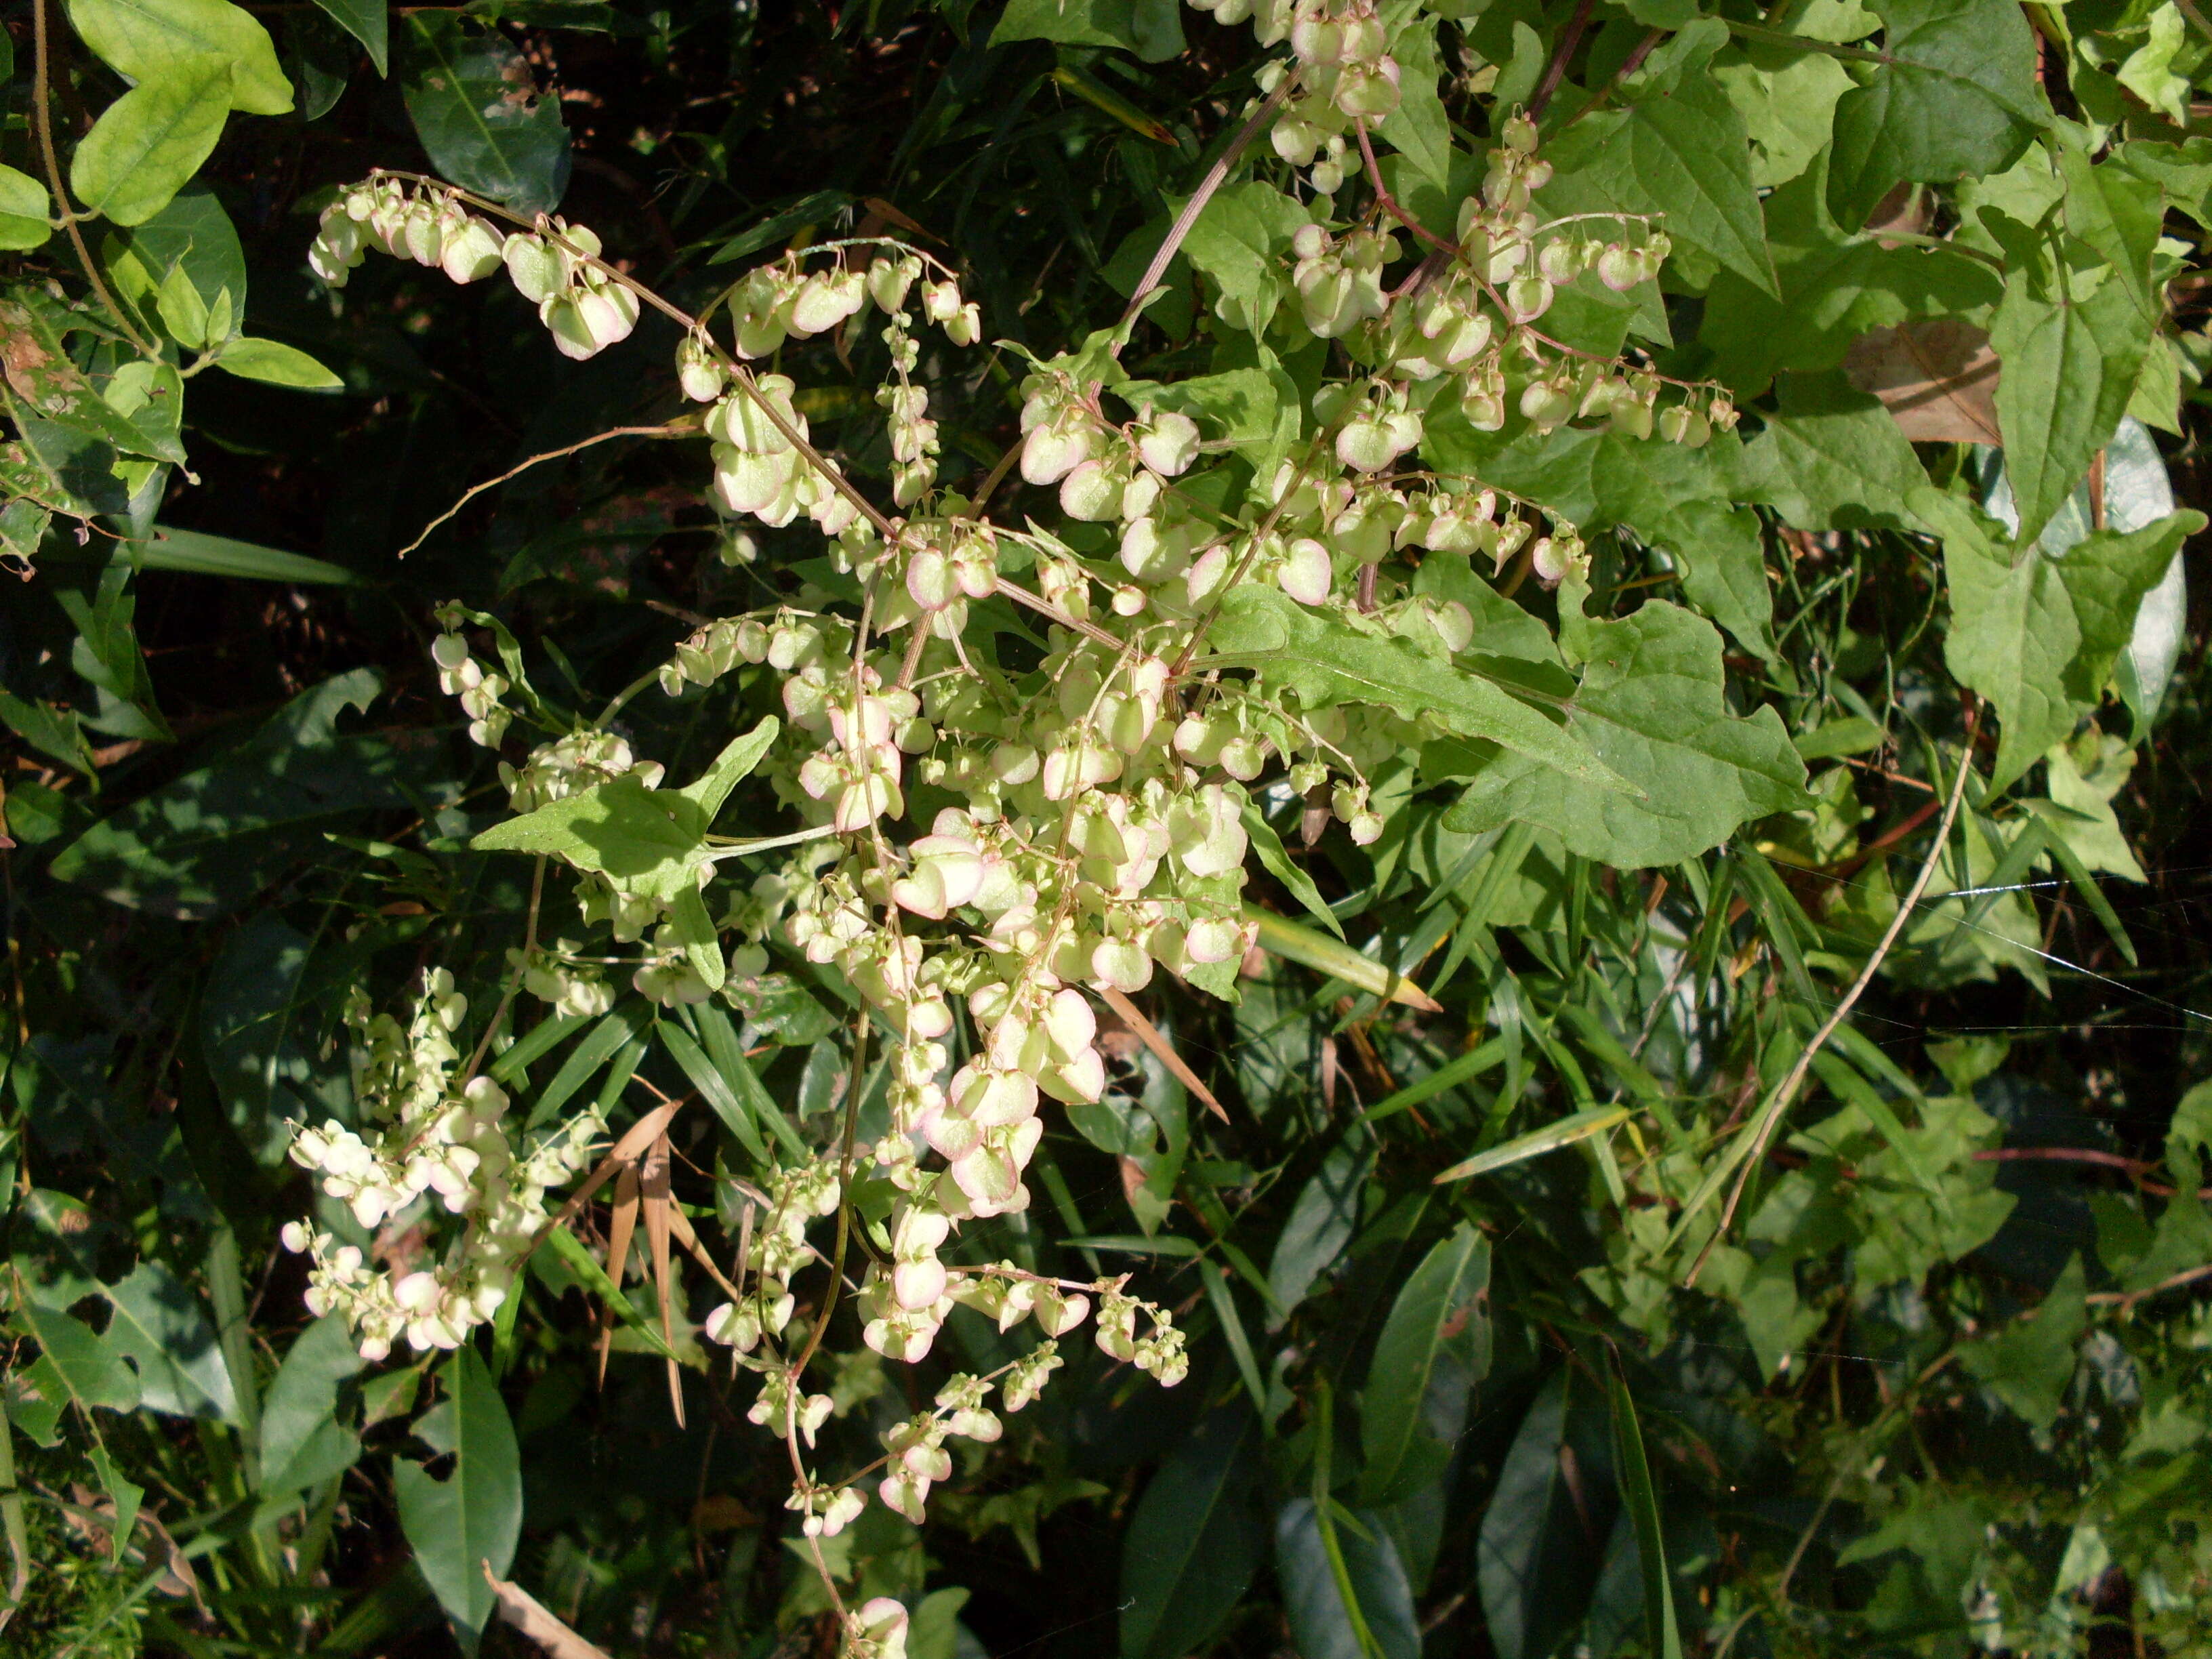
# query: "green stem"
(1324, 1446)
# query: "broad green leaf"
(1321, 1223)
(474, 1514)
(220, 555)
(2038, 634)
(368, 23)
(1568, 1131)
(1320, 1624)
(1830, 459)
(265, 1012)
(84, 1366)
(1194, 1542)
(1418, 128)
(2069, 368)
(278, 364)
(1679, 150)
(149, 142)
(1722, 552)
(1538, 1549)
(1151, 28)
(212, 839)
(1240, 238)
(26, 211)
(739, 757)
(645, 838)
(1955, 97)
(161, 1328)
(1435, 1347)
(1255, 409)
(1640, 1495)
(192, 236)
(150, 41)
(477, 111)
(1832, 287)
(2028, 1362)
(56, 1241)
(1328, 662)
(1650, 707)
(303, 1443)
(1788, 99)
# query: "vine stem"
(1557, 67)
(42, 118)
(514, 980)
(1199, 197)
(1390, 203)
(673, 429)
(740, 373)
(1778, 1102)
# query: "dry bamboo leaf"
(1149, 1035)
(1938, 379)
(624, 1223)
(658, 1205)
(680, 1224)
(519, 1608)
(634, 1139)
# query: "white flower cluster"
(584, 306)
(432, 1146)
(1086, 824)
(479, 689)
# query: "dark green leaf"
(2037, 635)
(1151, 28)
(161, 1328)
(368, 23)
(1956, 97)
(1329, 662)
(1194, 1542)
(1641, 1499)
(477, 110)
(213, 838)
(474, 1514)
(303, 1443)
(1650, 707)
(1321, 1223)
(1320, 1624)
(2028, 1362)
(1434, 1348)
(1545, 1524)
(1681, 151)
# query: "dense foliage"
(1302, 826)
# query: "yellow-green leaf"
(149, 142)
(276, 363)
(25, 211)
(149, 40)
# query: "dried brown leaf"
(1149, 1035)
(519, 1608)
(1938, 379)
